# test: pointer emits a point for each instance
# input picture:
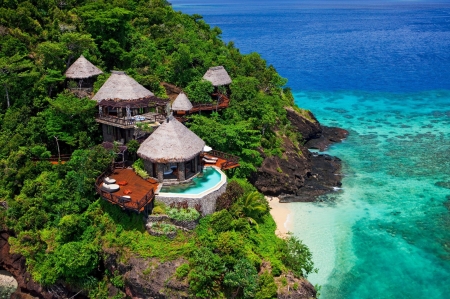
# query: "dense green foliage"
(60, 225)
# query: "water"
(210, 178)
(381, 70)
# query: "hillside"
(74, 243)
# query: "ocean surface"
(380, 69)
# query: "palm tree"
(252, 206)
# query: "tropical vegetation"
(58, 222)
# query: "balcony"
(151, 118)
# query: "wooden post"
(160, 172)
(181, 171)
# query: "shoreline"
(282, 216)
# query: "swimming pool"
(211, 180)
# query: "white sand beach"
(282, 216)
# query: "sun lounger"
(210, 158)
(108, 180)
(110, 187)
(209, 161)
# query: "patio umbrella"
(207, 148)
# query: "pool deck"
(141, 191)
(205, 200)
(223, 180)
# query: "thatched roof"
(181, 103)
(171, 142)
(81, 69)
(121, 87)
(217, 75)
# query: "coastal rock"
(283, 175)
(290, 287)
(294, 288)
(329, 136)
(149, 278)
(306, 124)
(300, 175)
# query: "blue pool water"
(210, 178)
(380, 69)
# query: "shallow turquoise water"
(209, 179)
(386, 234)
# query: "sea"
(381, 70)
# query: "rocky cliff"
(27, 287)
(300, 175)
(143, 278)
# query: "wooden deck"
(224, 161)
(142, 191)
(223, 103)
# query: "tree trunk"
(7, 95)
(57, 144)
(69, 59)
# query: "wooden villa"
(180, 106)
(83, 73)
(218, 76)
(172, 152)
(122, 104)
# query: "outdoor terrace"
(224, 161)
(128, 123)
(141, 192)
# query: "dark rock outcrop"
(294, 288)
(306, 124)
(329, 136)
(149, 278)
(300, 175)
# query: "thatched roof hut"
(121, 87)
(181, 103)
(82, 69)
(218, 76)
(171, 142)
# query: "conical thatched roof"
(81, 69)
(217, 75)
(121, 87)
(171, 142)
(181, 103)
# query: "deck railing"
(63, 157)
(125, 121)
(222, 102)
(136, 206)
(230, 160)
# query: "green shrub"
(231, 195)
(117, 280)
(158, 211)
(163, 228)
(182, 271)
(206, 273)
(221, 221)
(243, 280)
(138, 167)
(189, 214)
(276, 268)
(297, 257)
(267, 287)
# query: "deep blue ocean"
(380, 69)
